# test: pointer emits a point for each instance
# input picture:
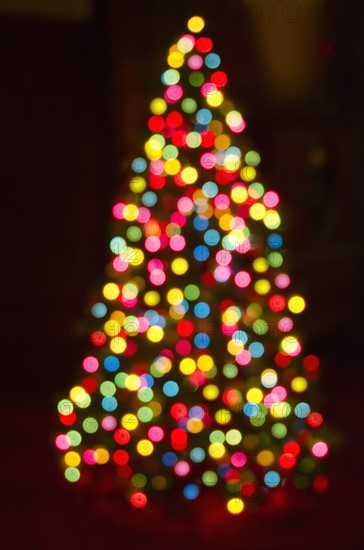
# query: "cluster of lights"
(196, 362)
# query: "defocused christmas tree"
(197, 380)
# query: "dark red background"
(74, 101)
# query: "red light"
(156, 123)
(122, 436)
(175, 119)
(282, 360)
(219, 78)
(292, 447)
(68, 419)
(207, 138)
(204, 44)
(315, 419)
(179, 439)
(208, 279)
(157, 182)
(287, 460)
(139, 499)
(311, 362)
(179, 138)
(277, 302)
(178, 411)
(248, 489)
(98, 338)
(321, 483)
(121, 457)
(185, 328)
(89, 384)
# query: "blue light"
(170, 388)
(196, 412)
(99, 310)
(251, 409)
(139, 165)
(109, 403)
(201, 310)
(256, 349)
(275, 241)
(272, 479)
(211, 237)
(111, 363)
(210, 189)
(149, 198)
(201, 253)
(240, 336)
(302, 410)
(204, 116)
(201, 340)
(191, 491)
(169, 459)
(212, 60)
(197, 454)
(200, 223)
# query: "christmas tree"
(197, 380)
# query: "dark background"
(76, 81)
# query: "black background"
(74, 102)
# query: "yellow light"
(205, 363)
(216, 450)
(132, 382)
(131, 212)
(137, 184)
(215, 98)
(152, 298)
(262, 286)
(265, 458)
(189, 175)
(280, 410)
(239, 194)
(129, 421)
(289, 344)
(272, 219)
(299, 384)
(234, 347)
(112, 328)
(296, 304)
(194, 425)
(111, 291)
(224, 221)
(233, 437)
(235, 506)
(222, 142)
(254, 395)
(159, 483)
(145, 447)
(248, 173)
(175, 60)
(187, 366)
(210, 392)
(77, 393)
(72, 459)
(257, 211)
(155, 334)
(175, 296)
(156, 407)
(118, 316)
(179, 266)
(118, 345)
(195, 24)
(158, 106)
(172, 166)
(260, 265)
(101, 455)
(223, 416)
(269, 378)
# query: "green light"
(192, 292)
(120, 379)
(230, 371)
(90, 425)
(196, 79)
(72, 474)
(75, 437)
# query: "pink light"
(195, 62)
(62, 442)
(242, 279)
(90, 364)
